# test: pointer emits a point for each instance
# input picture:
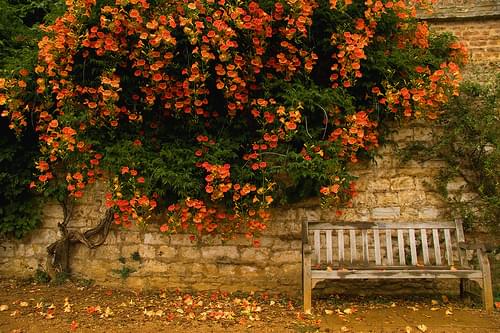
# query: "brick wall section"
(482, 37)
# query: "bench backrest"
(385, 244)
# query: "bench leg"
(487, 287)
(464, 287)
(306, 281)
(307, 293)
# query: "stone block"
(153, 266)
(429, 213)
(295, 245)
(215, 253)
(281, 257)
(154, 239)
(205, 269)
(107, 252)
(166, 252)
(409, 214)
(256, 255)
(351, 215)
(379, 185)
(386, 213)
(384, 199)
(191, 253)
(250, 271)
(45, 236)
(8, 250)
(402, 183)
(133, 237)
(146, 251)
(181, 240)
(456, 184)
(226, 270)
(411, 198)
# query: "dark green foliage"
(468, 139)
(19, 209)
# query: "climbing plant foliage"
(205, 113)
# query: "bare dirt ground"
(26, 306)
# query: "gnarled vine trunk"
(58, 252)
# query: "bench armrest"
(305, 231)
(477, 246)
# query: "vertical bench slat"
(364, 236)
(388, 240)
(437, 248)
(460, 238)
(449, 249)
(340, 236)
(401, 248)
(413, 247)
(352, 242)
(317, 245)
(376, 241)
(329, 246)
(425, 246)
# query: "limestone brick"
(166, 252)
(402, 183)
(386, 199)
(280, 257)
(154, 238)
(190, 253)
(379, 185)
(385, 213)
(214, 253)
(256, 255)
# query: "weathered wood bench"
(362, 250)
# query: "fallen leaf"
(15, 313)
(4, 307)
(453, 268)
(434, 302)
(344, 329)
(329, 269)
(328, 312)
(23, 304)
(422, 328)
(67, 305)
(73, 326)
(448, 312)
(271, 303)
(107, 313)
(348, 311)
(408, 329)
(434, 309)
(393, 305)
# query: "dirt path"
(29, 307)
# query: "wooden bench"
(362, 250)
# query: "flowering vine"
(205, 113)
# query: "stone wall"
(388, 190)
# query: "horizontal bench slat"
(396, 274)
(380, 225)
